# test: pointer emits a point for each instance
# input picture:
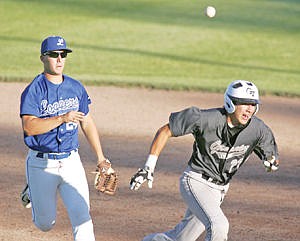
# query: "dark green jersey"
(218, 150)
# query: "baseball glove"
(106, 179)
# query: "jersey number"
(235, 164)
(71, 126)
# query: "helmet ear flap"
(228, 104)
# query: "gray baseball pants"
(204, 212)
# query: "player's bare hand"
(73, 116)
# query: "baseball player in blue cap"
(224, 139)
(52, 107)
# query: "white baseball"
(210, 11)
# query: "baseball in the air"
(210, 11)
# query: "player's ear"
(42, 57)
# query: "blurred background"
(168, 44)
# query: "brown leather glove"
(106, 179)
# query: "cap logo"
(60, 42)
(251, 92)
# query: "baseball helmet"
(240, 92)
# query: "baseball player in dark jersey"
(224, 139)
(52, 107)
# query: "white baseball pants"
(47, 177)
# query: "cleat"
(25, 197)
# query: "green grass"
(160, 44)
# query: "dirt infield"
(260, 206)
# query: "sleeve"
(266, 146)
(84, 102)
(29, 102)
(184, 122)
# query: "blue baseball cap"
(53, 43)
